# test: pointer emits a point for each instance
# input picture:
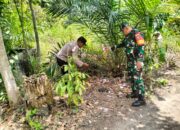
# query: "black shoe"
(134, 94)
(139, 103)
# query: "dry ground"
(106, 108)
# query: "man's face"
(80, 44)
(126, 30)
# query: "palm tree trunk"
(35, 29)
(8, 78)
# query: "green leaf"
(82, 87)
(72, 84)
(76, 99)
(77, 88)
(66, 68)
(83, 76)
(58, 88)
(63, 90)
(80, 91)
(70, 90)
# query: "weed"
(29, 118)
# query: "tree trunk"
(19, 9)
(20, 15)
(35, 29)
(8, 78)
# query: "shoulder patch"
(139, 39)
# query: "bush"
(72, 84)
(51, 68)
(32, 123)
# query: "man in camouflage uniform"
(134, 49)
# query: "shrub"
(72, 84)
(29, 118)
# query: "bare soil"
(106, 107)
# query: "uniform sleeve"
(140, 46)
(75, 57)
(121, 45)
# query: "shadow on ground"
(112, 112)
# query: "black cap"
(123, 25)
(82, 39)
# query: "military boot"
(139, 102)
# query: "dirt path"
(107, 108)
(162, 112)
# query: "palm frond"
(101, 16)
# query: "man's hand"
(139, 65)
(85, 65)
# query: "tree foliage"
(101, 17)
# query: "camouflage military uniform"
(134, 48)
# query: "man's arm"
(118, 46)
(140, 46)
(139, 52)
(76, 59)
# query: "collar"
(76, 44)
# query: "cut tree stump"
(38, 91)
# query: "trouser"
(135, 76)
(61, 63)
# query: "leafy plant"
(162, 82)
(108, 15)
(52, 68)
(29, 118)
(3, 94)
(92, 13)
(148, 16)
(72, 84)
(102, 17)
(34, 62)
